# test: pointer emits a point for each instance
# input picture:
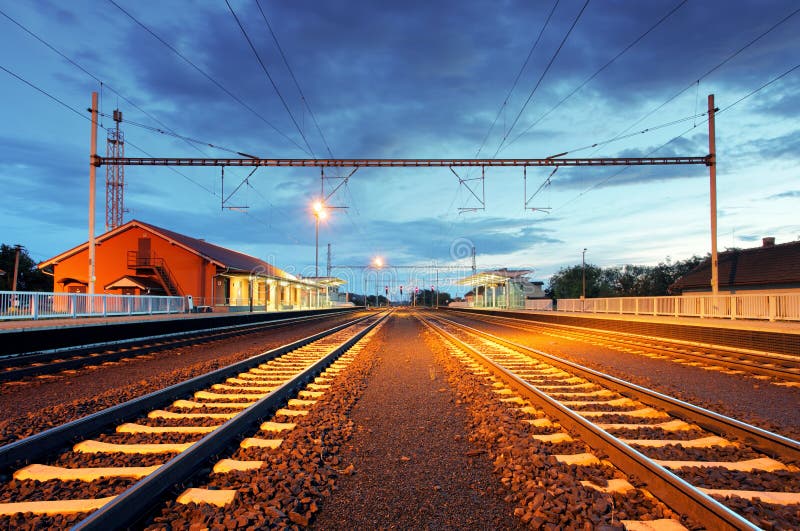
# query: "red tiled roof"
(232, 259)
(759, 266)
(235, 261)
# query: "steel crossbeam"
(399, 163)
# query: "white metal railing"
(45, 305)
(539, 304)
(775, 307)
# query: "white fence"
(778, 307)
(41, 305)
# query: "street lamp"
(319, 213)
(378, 263)
(583, 274)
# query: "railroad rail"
(775, 365)
(664, 442)
(163, 438)
(18, 366)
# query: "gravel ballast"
(414, 465)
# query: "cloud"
(790, 194)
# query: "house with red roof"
(138, 258)
(771, 268)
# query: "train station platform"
(787, 327)
(782, 337)
(54, 334)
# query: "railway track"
(717, 471)
(782, 367)
(129, 457)
(20, 366)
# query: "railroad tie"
(130, 427)
(223, 466)
(584, 459)
(54, 506)
(778, 498)
(299, 402)
(660, 524)
(614, 485)
(703, 442)
(277, 426)
(208, 395)
(256, 442)
(191, 404)
(243, 387)
(554, 438)
(39, 472)
(161, 414)
(672, 425)
(310, 394)
(762, 463)
(220, 498)
(90, 446)
(291, 412)
(624, 401)
(541, 423)
(646, 412)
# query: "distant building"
(138, 258)
(770, 268)
(502, 288)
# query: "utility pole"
(712, 171)
(92, 185)
(583, 276)
(329, 261)
(17, 248)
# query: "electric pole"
(17, 248)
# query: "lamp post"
(378, 263)
(583, 277)
(319, 213)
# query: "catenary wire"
(88, 73)
(209, 77)
(650, 153)
(517, 78)
(598, 71)
(296, 83)
(269, 77)
(712, 70)
(541, 78)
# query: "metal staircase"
(156, 267)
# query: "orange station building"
(141, 259)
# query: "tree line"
(29, 278)
(620, 281)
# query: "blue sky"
(410, 80)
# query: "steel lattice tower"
(115, 176)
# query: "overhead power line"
(712, 70)
(296, 83)
(88, 73)
(599, 70)
(541, 78)
(516, 79)
(210, 78)
(673, 139)
(269, 77)
(82, 115)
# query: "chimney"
(769, 241)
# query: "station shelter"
(502, 288)
(138, 258)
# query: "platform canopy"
(329, 282)
(493, 278)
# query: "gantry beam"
(400, 163)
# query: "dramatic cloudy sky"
(409, 79)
